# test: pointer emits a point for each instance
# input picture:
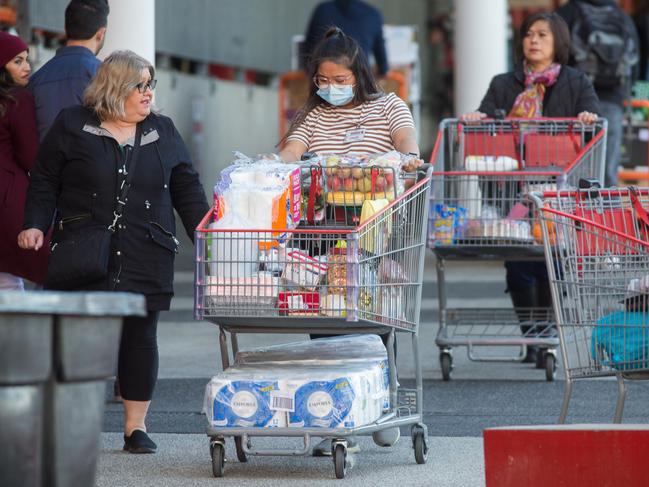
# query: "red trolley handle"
(642, 214)
(313, 189)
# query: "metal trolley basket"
(375, 272)
(597, 248)
(480, 211)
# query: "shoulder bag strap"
(126, 184)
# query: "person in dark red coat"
(18, 145)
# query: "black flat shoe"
(139, 442)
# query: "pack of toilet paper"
(313, 396)
(343, 349)
(345, 397)
(265, 193)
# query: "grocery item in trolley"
(353, 178)
(354, 398)
(490, 163)
(260, 290)
(376, 240)
(447, 222)
(299, 303)
(337, 271)
(236, 398)
(322, 351)
(232, 254)
(302, 270)
(621, 339)
(322, 396)
(264, 192)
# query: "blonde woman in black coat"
(80, 167)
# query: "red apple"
(336, 183)
(380, 183)
(349, 184)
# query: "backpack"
(602, 45)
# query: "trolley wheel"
(550, 367)
(238, 444)
(218, 460)
(446, 363)
(340, 460)
(419, 443)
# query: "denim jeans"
(614, 113)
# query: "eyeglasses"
(146, 85)
(323, 82)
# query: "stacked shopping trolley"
(597, 249)
(480, 209)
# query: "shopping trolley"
(596, 244)
(374, 282)
(479, 211)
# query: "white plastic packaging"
(266, 396)
(328, 352)
(233, 254)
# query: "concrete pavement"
(480, 395)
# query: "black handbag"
(80, 257)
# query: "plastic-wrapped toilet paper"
(347, 397)
(315, 396)
(235, 401)
(344, 349)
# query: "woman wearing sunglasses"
(82, 165)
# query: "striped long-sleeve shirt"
(326, 128)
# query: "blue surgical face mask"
(337, 95)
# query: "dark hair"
(560, 32)
(338, 48)
(83, 18)
(6, 84)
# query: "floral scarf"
(529, 103)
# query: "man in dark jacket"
(358, 20)
(611, 97)
(61, 81)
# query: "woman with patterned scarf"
(542, 85)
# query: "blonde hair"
(116, 77)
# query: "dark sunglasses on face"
(146, 85)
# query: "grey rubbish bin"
(56, 350)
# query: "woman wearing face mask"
(18, 144)
(346, 111)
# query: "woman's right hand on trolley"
(473, 116)
(30, 239)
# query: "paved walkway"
(480, 395)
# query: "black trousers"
(137, 368)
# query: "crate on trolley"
(596, 244)
(479, 210)
(276, 281)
